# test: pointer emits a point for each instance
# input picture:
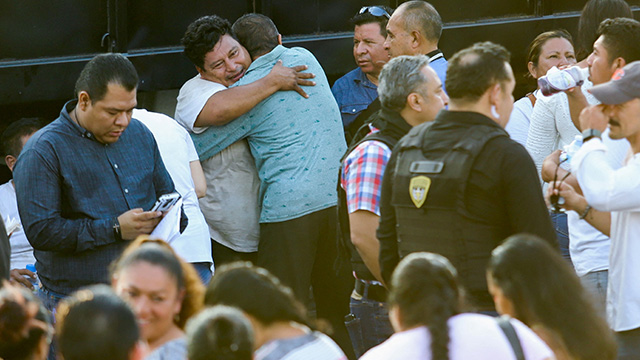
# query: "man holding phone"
(83, 182)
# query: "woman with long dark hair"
(548, 49)
(426, 312)
(532, 283)
(281, 326)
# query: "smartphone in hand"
(165, 202)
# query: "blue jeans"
(368, 324)
(204, 271)
(628, 344)
(50, 300)
(559, 221)
(596, 285)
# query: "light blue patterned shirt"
(296, 142)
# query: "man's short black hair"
(202, 35)
(105, 69)
(368, 18)
(257, 33)
(473, 70)
(11, 139)
(621, 38)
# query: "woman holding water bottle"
(549, 49)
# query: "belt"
(371, 291)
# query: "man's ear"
(10, 160)
(279, 39)
(83, 100)
(414, 101)
(416, 39)
(200, 70)
(618, 63)
(495, 93)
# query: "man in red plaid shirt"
(410, 93)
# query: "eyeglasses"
(375, 11)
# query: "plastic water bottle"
(557, 80)
(34, 282)
(570, 150)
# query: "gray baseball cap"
(623, 86)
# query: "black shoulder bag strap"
(510, 332)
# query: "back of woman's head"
(425, 291)
(23, 323)
(593, 13)
(256, 292)
(545, 291)
(221, 333)
(161, 254)
(94, 323)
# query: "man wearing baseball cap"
(613, 197)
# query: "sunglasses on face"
(376, 11)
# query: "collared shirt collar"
(435, 55)
(363, 79)
(75, 127)
(267, 59)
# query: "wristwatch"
(591, 133)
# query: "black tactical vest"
(431, 175)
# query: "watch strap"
(590, 134)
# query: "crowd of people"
(403, 213)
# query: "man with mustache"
(414, 29)
(357, 89)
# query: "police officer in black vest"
(459, 185)
(411, 93)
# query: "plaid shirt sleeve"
(362, 176)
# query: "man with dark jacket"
(460, 186)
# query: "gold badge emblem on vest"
(418, 190)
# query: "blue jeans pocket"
(354, 328)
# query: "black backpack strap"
(512, 336)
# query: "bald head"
(413, 29)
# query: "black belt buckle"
(373, 291)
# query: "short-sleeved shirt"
(297, 143)
(231, 206)
(362, 175)
(177, 151)
(21, 250)
(353, 92)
